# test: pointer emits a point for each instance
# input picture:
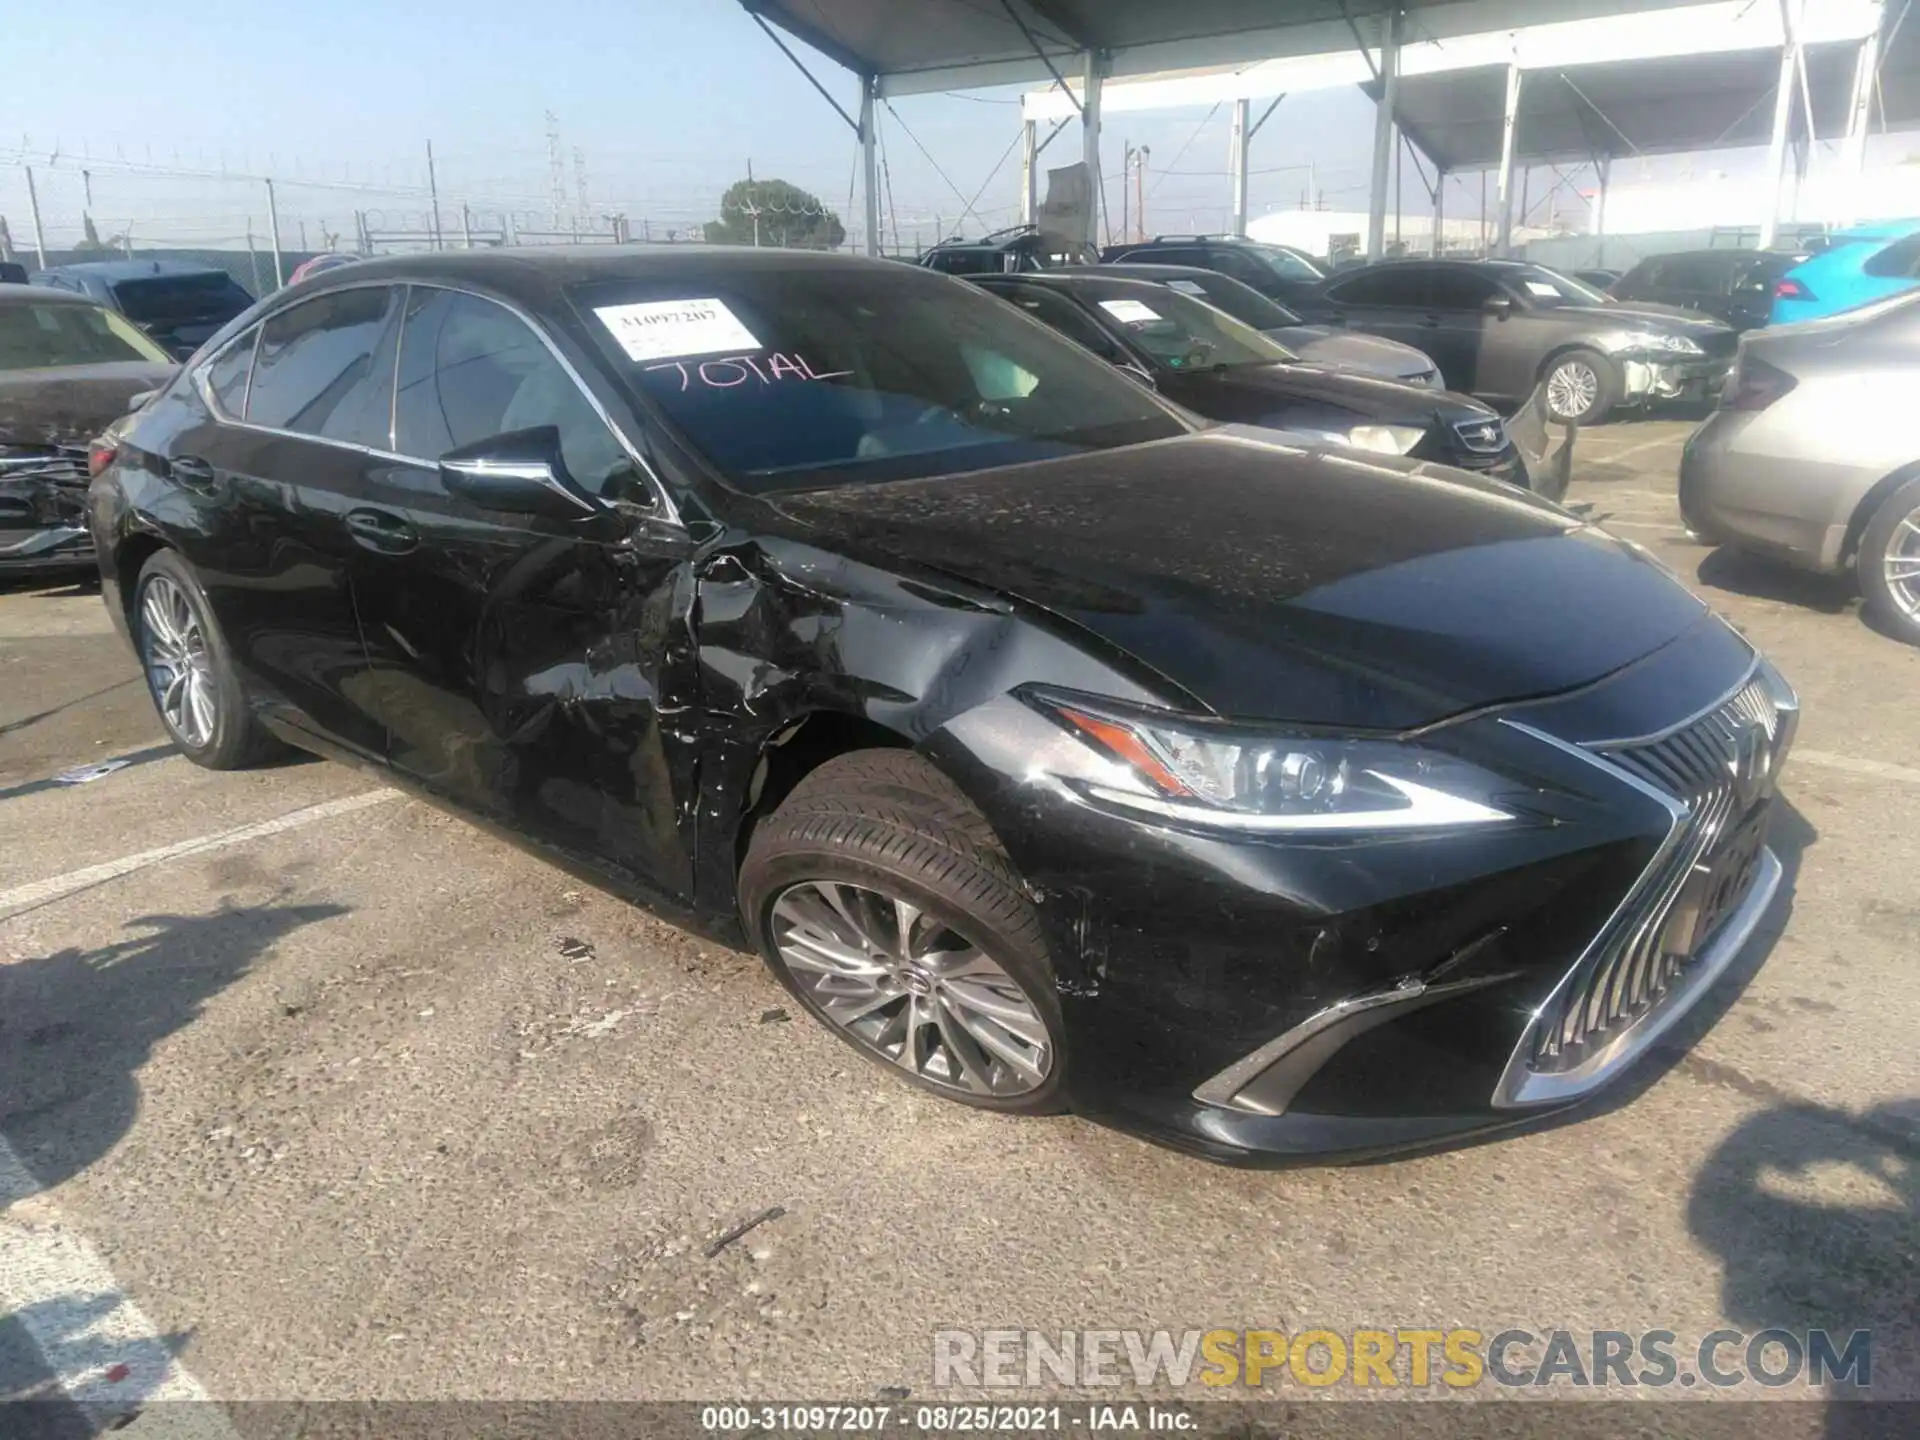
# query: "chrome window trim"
(205, 387)
(666, 510)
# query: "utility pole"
(273, 230)
(433, 190)
(466, 226)
(33, 208)
(253, 258)
(1126, 174)
(556, 168)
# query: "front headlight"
(1193, 770)
(1386, 439)
(1652, 340)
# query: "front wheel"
(880, 898)
(1582, 387)
(1889, 563)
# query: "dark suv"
(1734, 286)
(177, 302)
(1017, 248)
(1498, 328)
(1278, 272)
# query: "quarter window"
(226, 375)
(470, 369)
(325, 368)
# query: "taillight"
(100, 455)
(1790, 289)
(1756, 385)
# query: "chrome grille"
(58, 463)
(1714, 770)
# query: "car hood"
(1349, 349)
(1670, 319)
(70, 405)
(1281, 582)
(1374, 396)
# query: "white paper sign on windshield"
(668, 329)
(1544, 290)
(1188, 287)
(1130, 312)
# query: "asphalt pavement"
(310, 1091)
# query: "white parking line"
(1878, 769)
(23, 897)
(98, 1345)
(1614, 457)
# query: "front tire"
(189, 670)
(1582, 387)
(1889, 563)
(880, 898)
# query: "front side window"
(809, 375)
(324, 367)
(55, 335)
(1460, 290)
(471, 369)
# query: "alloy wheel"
(179, 667)
(1572, 389)
(1901, 564)
(911, 989)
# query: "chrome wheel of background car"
(1902, 565)
(911, 989)
(1572, 389)
(173, 651)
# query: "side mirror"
(520, 473)
(1499, 306)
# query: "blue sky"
(667, 100)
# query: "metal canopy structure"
(1473, 84)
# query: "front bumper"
(1272, 1002)
(56, 548)
(1659, 378)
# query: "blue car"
(1864, 264)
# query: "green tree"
(772, 212)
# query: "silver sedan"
(1814, 454)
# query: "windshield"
(1242, 302)
(53, 336)
(1177, 331)
(1284, 263)
(1549, 288)
(211, 299)
(808, 376)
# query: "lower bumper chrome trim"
(1522, 1085)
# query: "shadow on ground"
(1739, 573)
(76, 1026)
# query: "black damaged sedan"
(1269, 801)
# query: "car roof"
(1067, 278)
(536, 274)
(112, 270)
(43, 295)
(1141, 270)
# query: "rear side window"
(1900, 260)
(325, 368)
(213, 298)
(226, 375)
(1696, 272)
(1390, 288)
(471, 369)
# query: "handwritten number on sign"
(731, 371)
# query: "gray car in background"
(1814, 454)
(1321, 344)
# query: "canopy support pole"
(1777, 145)
(1605, 166)
(1237, 167)
(1090, 141)
(1509, 136)
(1866, 69)
(1029, 177)
(1439, 210)
(869, 167)
(1383, 126)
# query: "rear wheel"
(881, 899)
(1889, 563)
(1583, 386)
(189, 670)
